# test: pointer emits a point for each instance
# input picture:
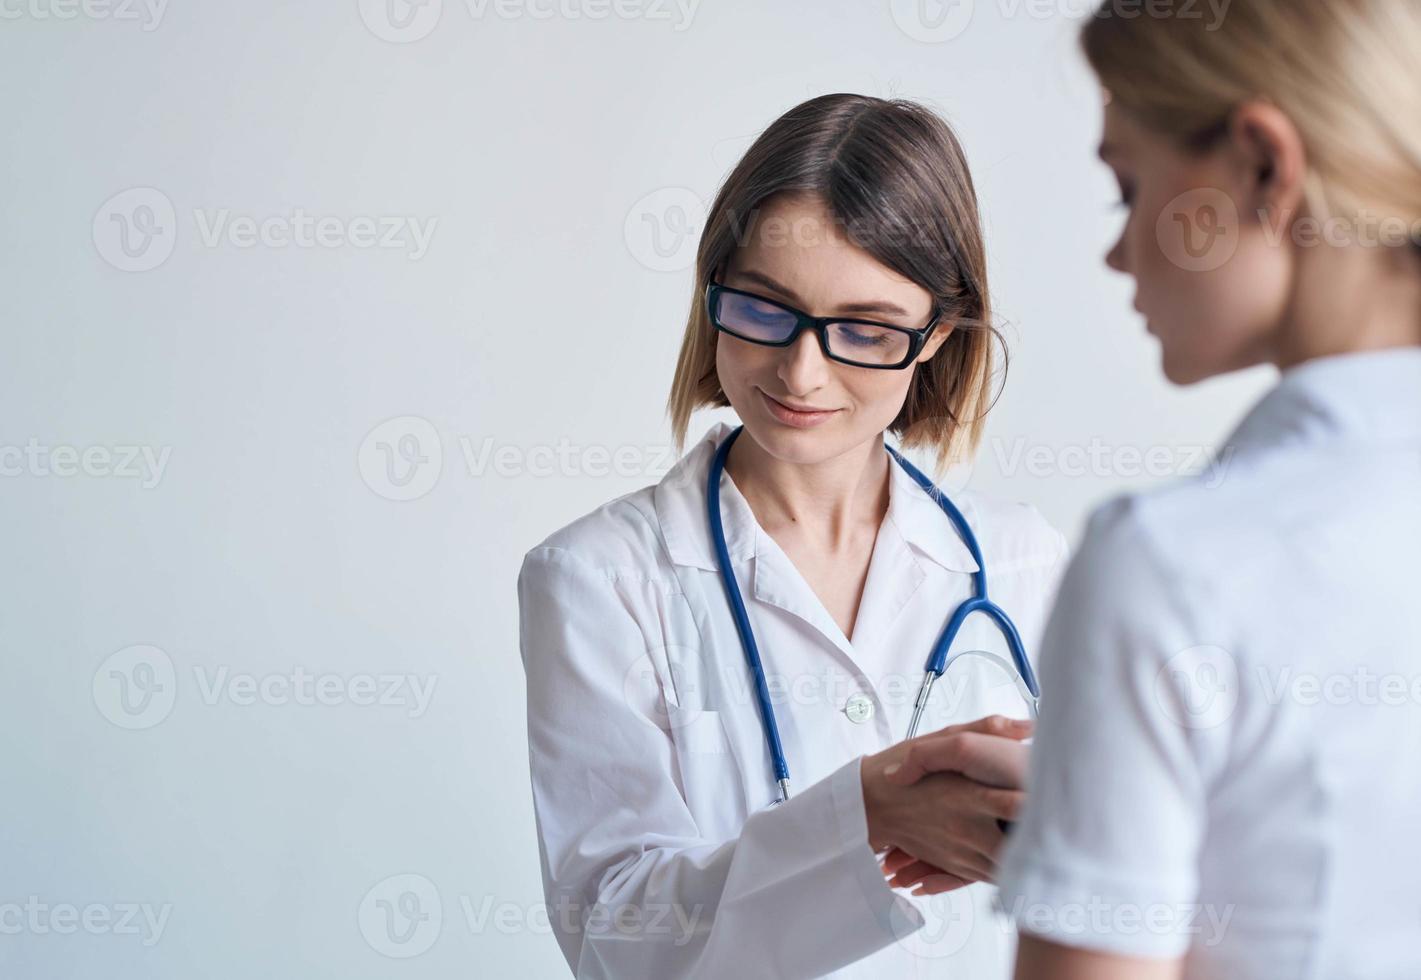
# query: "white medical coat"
(651, 778)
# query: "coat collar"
(680, 500)
(1371, 397)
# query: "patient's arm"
(1041, 959)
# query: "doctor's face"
(798, 255)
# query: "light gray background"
(548, 150)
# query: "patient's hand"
(937, 812)
(988, 750)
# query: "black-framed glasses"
(862, 343)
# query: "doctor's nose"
(803, 367)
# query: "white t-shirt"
(1228, 761)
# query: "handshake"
(937, 805)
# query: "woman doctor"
(663, 852)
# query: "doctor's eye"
(861, 336)
(755, 318)
(764, 312)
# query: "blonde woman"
(1226, 780)
(841, 296)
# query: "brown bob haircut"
(893, 175)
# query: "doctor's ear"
(1268, 157)
(935, 340)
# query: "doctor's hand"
(935, 802)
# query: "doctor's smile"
(799, 416)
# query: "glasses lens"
(865, 344)
(754, 319)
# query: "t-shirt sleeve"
(1105, 855)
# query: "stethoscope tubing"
(938, 659)
(742, 619)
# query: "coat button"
(859, 708)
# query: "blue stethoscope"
(937, 660)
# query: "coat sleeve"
(633, 888)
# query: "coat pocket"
(710, 774)
(697, 731)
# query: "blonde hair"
(893, 173)
(1344, 71)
